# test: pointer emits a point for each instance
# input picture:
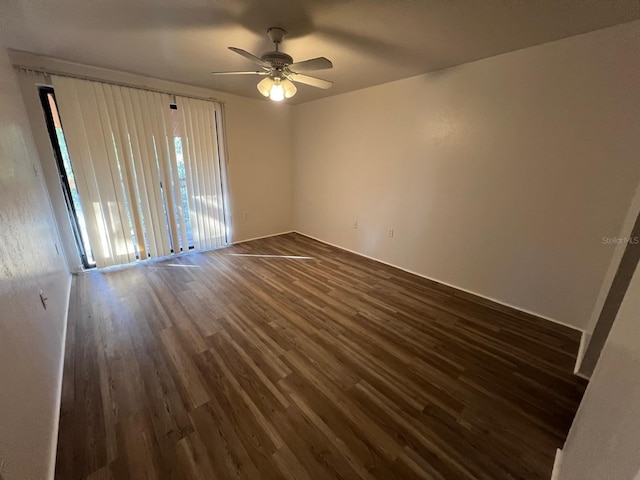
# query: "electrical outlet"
(390, 233)
(355, 224)
(245, 215)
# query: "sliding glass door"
(144, 171)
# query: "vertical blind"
(150, 178)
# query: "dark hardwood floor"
(243, 363)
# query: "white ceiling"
(369, 41)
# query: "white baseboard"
(555, 473)
(56, 419)
(263, 236)
(584, 343)
(500, 302)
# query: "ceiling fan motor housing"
(278, 60)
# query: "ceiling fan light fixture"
(264, 86)
(289, 88)
(277, 91)
(276, 88)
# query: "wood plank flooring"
(287, 358)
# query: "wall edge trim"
(56, 424)
(584, 343)
(557, 462)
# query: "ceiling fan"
(280, 71)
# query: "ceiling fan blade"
(320, 63)
(250, 56)
(259, 72)
(313, 81)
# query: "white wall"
(499, 176)
(603, 443)
(31, 338)
(260, 142)
(259, 147)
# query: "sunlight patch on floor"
(295, 257)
